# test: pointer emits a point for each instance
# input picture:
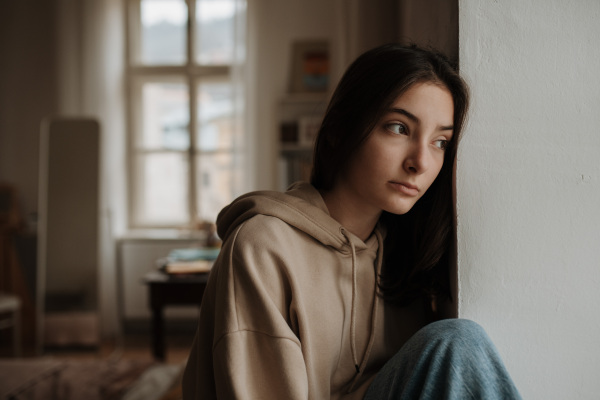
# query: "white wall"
(27, 92)
(90, 79)
(273, 26)
(528, 187)
(350, 26)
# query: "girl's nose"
(417, 159)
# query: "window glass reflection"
(215, 33)
(165, 116)
(215, 115)
(163, 36)
(163, 188)
(215, 184)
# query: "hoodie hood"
(301, 206)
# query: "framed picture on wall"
(310, 66)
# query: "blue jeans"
(448, 359)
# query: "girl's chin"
(400, 209)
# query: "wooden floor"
(131, 346)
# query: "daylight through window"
(184, 107)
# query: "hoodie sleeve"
(246, 322)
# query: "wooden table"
(167, 290)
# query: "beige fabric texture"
(275, 321)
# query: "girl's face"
(403, 154)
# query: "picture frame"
(310, 67)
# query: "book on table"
(190, 260)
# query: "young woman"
(329, 290)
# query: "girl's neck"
(357, 220)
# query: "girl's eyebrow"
(415, 119)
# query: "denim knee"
(453, 330)
(452, 358)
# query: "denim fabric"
(448, 359)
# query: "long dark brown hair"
(418, 243)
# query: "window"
(185, 141)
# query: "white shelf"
(295, 158)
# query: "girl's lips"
(405, 188)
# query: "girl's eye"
(397, 128)
(442, 144)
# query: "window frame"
(190, 72)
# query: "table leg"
(158, 334)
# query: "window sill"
(162, 235)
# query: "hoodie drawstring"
(353, 310)
(353, 306)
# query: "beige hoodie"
(290, 310)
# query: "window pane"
(215, 115)
(165, 116)
(214, 35)
(162, 195)
(164, 32)
(215, 184)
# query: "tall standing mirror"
(68, 233)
